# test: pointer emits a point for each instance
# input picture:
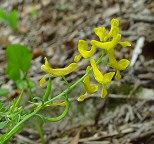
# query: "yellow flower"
(113, 33)
(114, 29)
(100, 32)
(84, 52)
(110, 45)
(59, 71)
(90, 88)
(107, 45)
(121, 65)
(103, 79)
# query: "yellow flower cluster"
(108, 41)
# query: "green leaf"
(17, 103)
(19, 60)
(13, 19)
(3, 16)
(4, 92)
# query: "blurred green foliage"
(11, 19)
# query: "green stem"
(48, 90)
(65, 80)
(55, 119)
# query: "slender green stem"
(63, 115)
(66, 81)
(48, 90)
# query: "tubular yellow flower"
(107, 45)
(83, 49)
(114, 29)
(59, 71)
(121, 65)
(103, 79)
(90, 88)
(100, 32)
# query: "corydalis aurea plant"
(107, 42)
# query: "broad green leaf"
(3, 16)
(19, 61)
(13, 19)
(4, 92)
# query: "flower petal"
(118, 75)
(100, 32)
(108, 77)
(124, 63)
(114, 29)
(121, 65)
(115, 22)
(107, 45)
(43, 80)
(104, 91)
(77, 58)
(83, 49)
(82, 97)
(59, 71)
(98, 75)
(46, 66)
(90, 88)
(125, 43)
(82, 45)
